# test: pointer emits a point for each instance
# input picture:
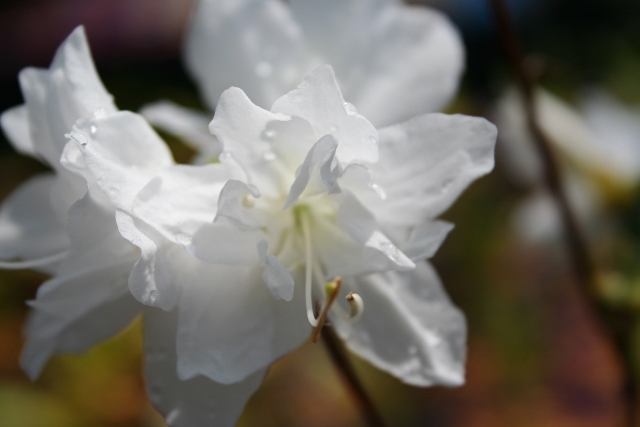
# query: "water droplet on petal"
(269, 156)
(100, 113)
(350, 109)
(263, 69)
(379, 191)
(183, 238)
(225, 156)
(78, 137)
(373, 140)
(269, 134)
(390, 250)
(333, 128)
(93, 129)
(153, 296)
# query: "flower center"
(313, 272)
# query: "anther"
(248, 202)
(356, 306)
(333, 289)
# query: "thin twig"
(341, 361)
(582, 263)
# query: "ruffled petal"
(195, 402)
(235, 206)
(275, 275)
(426, 238)
(242, 128)
(230, 326)
(122, 152)
(181, 199)
(29, 228)
(319, 101)
(74, 312)
(57, 97)
(426, 163)
(409, 327)
(252, 44)
(191, 126)
(15, 124)
(315, 175)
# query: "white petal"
(252, 44)
(275, 276)
(392, 61)
(29, 228)
(225, 244)
(194, 402)
(231, 326)
(191, 126)
(123, 153)
(73, 312)
(315, 174)
(15, 124)
(57, 97)
(426, 163)
(426, 238)
(242, 128)
(231, 205)
(181, 199)
(360, 224)
(153, 278)
(319, 101)
(409, 327)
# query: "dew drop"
(379, 191)
(270, 134)
(93, 129)
(390, 250)
(100, 113)
(77, 137)
(225, 156)
(333, 128)
(183, 238)
(269, 156)
(153, 296)
(350, 109)
(263, 69)
(373, 140)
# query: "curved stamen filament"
(308, 280)
(17, 265)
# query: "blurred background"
(536, 355)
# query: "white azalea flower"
(63, 223)
(305, 192)
(392, 61)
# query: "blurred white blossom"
(598, 147)
(392, 61)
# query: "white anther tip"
(356, 306)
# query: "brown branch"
(341, 361)
(581, 261)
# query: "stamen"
(306, 234)
(333, 289)
(18, 265)
(356, 306)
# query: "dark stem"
(341, 361)
(581, 261)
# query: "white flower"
(392, 61)
(598, 147)
(308, 191)
(63, 223)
